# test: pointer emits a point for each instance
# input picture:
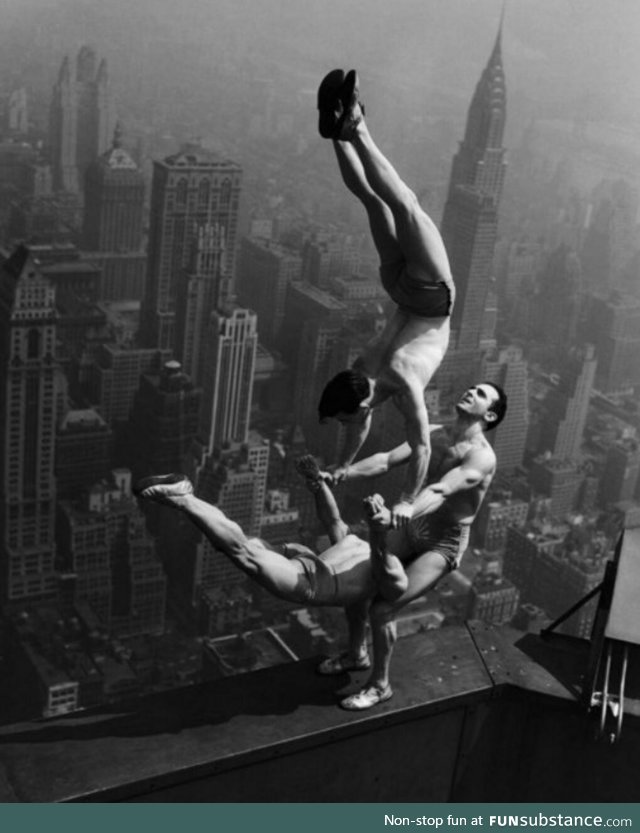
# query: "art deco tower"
(192, 189)
(80, 117)
(114, 201)
(469, 222)
(27, 429)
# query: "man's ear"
(490, 416)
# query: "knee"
(382, 612)
(245, 555)
(408, 203)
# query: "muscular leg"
(387, 568)
(422, 574)
(357, 654)
(279, 575)
(380, 217)
(418, 238)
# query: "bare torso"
(462, 506)
(416, 344)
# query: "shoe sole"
(349, 97)
(328, 98)
(157, 480)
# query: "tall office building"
(203, 289)
(265, 270)
(191, 189)
(105, 545)
(27, 429)
(509, 370)
(235, 479)
(567, 403)
(113, 231)
(469, 222)
(164, 420)
(80, 119)
(614, 326)
(559, 302)
(231, 346)
(84, 445)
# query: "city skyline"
(239, 226)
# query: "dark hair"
(499, 408)
(343, 393)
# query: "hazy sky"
(554, 49)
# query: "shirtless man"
(351, 571)
(415, 272)
(432, 544)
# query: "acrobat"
(369, 579)
(415, 272)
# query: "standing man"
(415, 272)
(433, 543)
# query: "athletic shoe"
(367, 698)
(342, 663)
(352, 108)
(329, 103)
(163, 486)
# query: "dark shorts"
(438, 533)
(321, 583)
(413, 296)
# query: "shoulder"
(480, 456)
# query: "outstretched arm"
(381, 462)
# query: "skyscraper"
(80, 117)
(192, 189)
(112, 230)
(567, 403)
(469, 222)
(203, 289)
(265, 271)
(28, 371)
(509, 370)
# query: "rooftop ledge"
(478, 714)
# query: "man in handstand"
(415, 272)
(392, 569)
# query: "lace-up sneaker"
(367, 698)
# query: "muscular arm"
(383, 461)
(355, 435)
(471, 471)
(410, 403)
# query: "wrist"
(408, 499)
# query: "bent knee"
(383, 610)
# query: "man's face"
(478, 401)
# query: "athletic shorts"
(415, 297)
(321, 579)
(439, 533)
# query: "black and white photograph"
(320, 409)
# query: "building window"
(33, 344)
(181, 192)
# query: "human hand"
(377, 514)
(401, 514)
(335, 474)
